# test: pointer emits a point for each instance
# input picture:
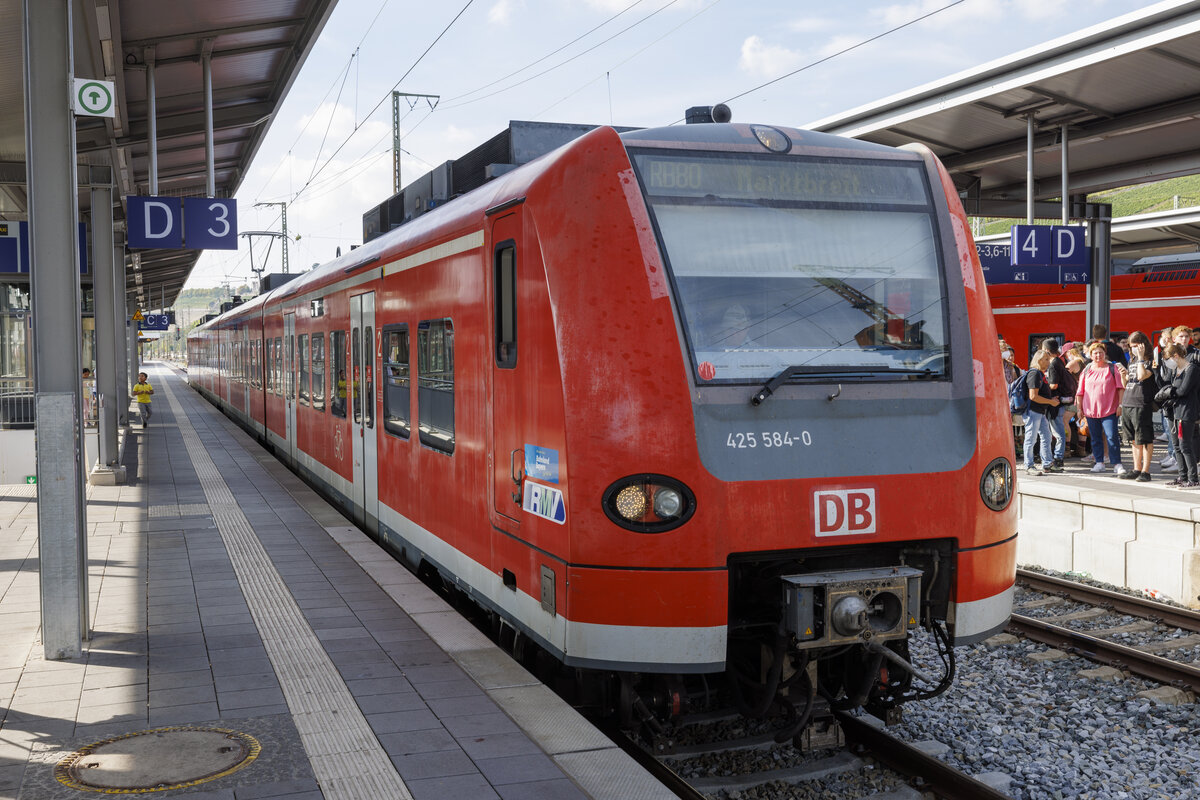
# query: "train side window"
(369, 376)
(318, 371)
(269, 368)
(397, 391)
(506, 305)
(1035, 344)
(305, 374)
(279, 365)
(435, 383)
(289, 376)
(337, 349)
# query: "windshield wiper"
(788, 373)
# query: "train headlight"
(668, 503)
(649, 503)
(996, 486)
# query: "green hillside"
(1129, 200)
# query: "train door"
(289, 382)
(362, 404)
(509, 376)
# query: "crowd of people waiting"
(1083, 396)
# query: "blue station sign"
(14, 247)
(172, 223)
(1074, 264)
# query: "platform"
(228, 601)
(1141, 535)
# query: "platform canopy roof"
(258, 47)
(1128, 92)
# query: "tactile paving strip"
(347, 759)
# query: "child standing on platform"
(142, 391)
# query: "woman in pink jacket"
(1099, 398)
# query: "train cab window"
(337, 350)
(302, 362)
(506, 305)
(318, 371)
(356, 376)
(279, 365)
(397, 392)
(435, 383)
(830, 269)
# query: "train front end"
(830, 470)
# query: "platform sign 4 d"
(1049, 246)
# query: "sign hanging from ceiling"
(172, 223)
(14, 247)
(93, 98)
(997, 263)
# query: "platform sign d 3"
(172, 223)
(92, 98)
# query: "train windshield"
(825, 267)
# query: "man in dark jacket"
(1112, 349)
(1057, 377)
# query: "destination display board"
(783, 179)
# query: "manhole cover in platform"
(157, 760)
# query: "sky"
(328, 152)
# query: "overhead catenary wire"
(386, 97)
(552, 53)
(843, 51)
(565, 61)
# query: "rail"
(927, 772)
(1126, 604)
(1147, 665)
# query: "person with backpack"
(1040, 404)
(1099, 398)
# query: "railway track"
(1102, 650)
(865, 745)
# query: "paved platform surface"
(224, 593)
(1077, 472)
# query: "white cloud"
(767, 60)
(502, 12)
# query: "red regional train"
(1162, 292)
(707, 410)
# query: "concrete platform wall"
(1148, 543)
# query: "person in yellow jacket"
(142, 391)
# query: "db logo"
(847, 512)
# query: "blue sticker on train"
(541, 463)
(544, 501)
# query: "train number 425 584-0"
(742, 441)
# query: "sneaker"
(1189, 485)
(1033, 471)
(1142, 477)
(1129, 475)
(1168, 463)
(1175, 484)
(1089, 458)
(1056, 467)
(1058, 462)
(1098, 467)
(1119, 470)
